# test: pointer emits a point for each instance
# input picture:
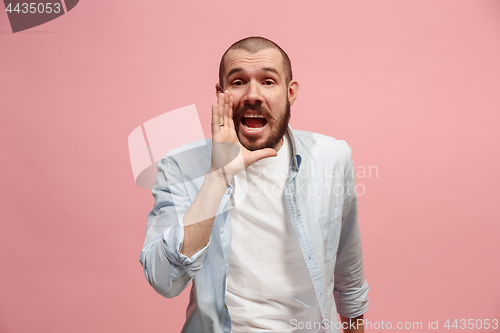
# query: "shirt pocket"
(330, 228)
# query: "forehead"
(267, 58)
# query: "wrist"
(218, 178)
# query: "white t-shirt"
(268, 283)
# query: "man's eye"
(268, 82)
(237, 83)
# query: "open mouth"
(253, 122)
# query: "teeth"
(252, 128)
(254, 116)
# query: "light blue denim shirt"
(321, 203)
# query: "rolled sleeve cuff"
(173, 238)
(353, 303)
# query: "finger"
(257, 155)
(230, 107)
(215, 118)
(231, 120)
(226, 109)
(222, 101)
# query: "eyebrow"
(270, 69)
(234, 70)
(265, 69)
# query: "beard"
(274, 137)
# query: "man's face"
(261, 96)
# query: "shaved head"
(253, 45)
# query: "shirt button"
(227, 191)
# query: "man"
(262, 219)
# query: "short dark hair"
(253, 45)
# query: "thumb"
(260, 154)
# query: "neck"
(280, 144)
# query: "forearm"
(353, 325)
(199, 218)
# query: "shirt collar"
(296, 152)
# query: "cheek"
(278, 106)
(236, 99)
(279, 99)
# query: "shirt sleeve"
(166, 269)
(350, 289)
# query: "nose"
(253, 93)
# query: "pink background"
(412, 86)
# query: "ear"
(218, 89)
(293, 91)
